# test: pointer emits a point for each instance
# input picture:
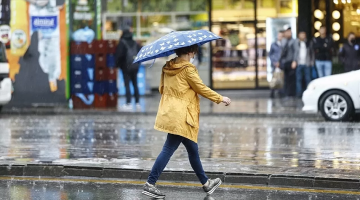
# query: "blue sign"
(44, 23)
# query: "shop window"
(288, 6)
(218, 4)
(114, 5)
(267, 3)
(235, 4)
(199, 5)
(249, 4)
(129, 5)
(149, 6)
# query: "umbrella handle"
(152, 63)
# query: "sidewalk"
(266, 151)
(244, 103)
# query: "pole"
(256, 46)
(211, 49)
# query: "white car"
(337, 97)
(5, 81)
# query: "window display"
(234, 58)
(152, 19)
(234, 64)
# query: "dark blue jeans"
(170, 146)
(302, 71)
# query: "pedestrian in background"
(305, 61)
(288, 63)
(350, 54)
(323, 47)
(275, 55)
(178, 115)
(126, 51)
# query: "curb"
(113, 113)
(48, 170)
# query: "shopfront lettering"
(82, 8)
(82, 16)
(43, 22)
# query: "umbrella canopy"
(166, 45)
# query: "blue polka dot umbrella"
(166, 45)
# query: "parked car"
(5, 81)
(337, 97)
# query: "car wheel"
(336, 106)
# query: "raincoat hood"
(175, 66)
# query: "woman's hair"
(185, 50)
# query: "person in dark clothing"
(349, 54)
(323, 46)
(126, 51)
(305, 61)
(288, 63)
(275, 55)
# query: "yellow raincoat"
(179, 107)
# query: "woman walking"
(178, 115)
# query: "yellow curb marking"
(181, 184)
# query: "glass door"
(233, 58)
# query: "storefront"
(151, 19)
(248, 28)
(233, 63)
(343, 17)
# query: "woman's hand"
(226, 101)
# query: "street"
(103, 189)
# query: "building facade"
(237, 62)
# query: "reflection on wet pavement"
(59, 190)
(240, 104)
(227, 144)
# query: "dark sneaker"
(212, 185)
(152, 191)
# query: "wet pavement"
(59, 190)
(245, 102)
(287, 146)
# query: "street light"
(317, 25)
(319, 14)
(336, 14)
(336, 26)
(336, 36)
